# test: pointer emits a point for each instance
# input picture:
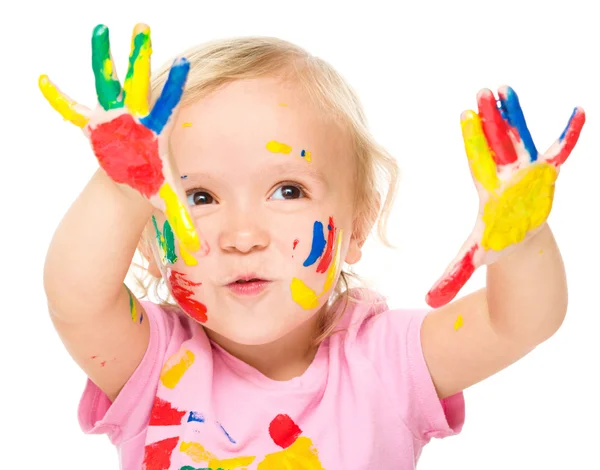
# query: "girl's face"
(269, 185)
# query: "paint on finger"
(136, 87)
(65, 106)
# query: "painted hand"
(515, 184)
(129, 140)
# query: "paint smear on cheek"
(180, 288)
(306, 155)
(318, 245)
(278, 147)
(458, 323)
(186, 124)
(326, 259)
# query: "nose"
(243, 232)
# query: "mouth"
(249, 285)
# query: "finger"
(456, 276)
(169, 97)
(495, 129)
(68, 109)
(137, 82)
(180, 220)
(562, 148)
(108, 87)
(512, 113)
(478, 152)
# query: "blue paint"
(141, 317)
(184, 177)
(227, 434)
(512, 113)
(303, 153)
(318, 245)
(169, 98)
(564, 133)
(195, 416)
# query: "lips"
(248, 285)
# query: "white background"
(416, 65)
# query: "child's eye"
(200, 198)
(288, 191)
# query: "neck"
(284, 358)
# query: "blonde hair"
(376, 173)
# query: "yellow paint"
(199, 454)
(459, 322)
(186, 124)
(478, 152)
(175, 367)
(523, 206)
(307, 156)
(137, 84)
(188, 258)
(61, 102)
(541, 251)
(107, 70)
(301, 455)
(180, 219)
(304, 295)
(278, 147)
(282, 104)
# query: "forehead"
(263, 120)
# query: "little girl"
(246, 176)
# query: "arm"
(525, 300)
(86, 264)
(523, 304)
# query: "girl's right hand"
(129, 140)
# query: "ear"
(146, 251)
(354, 253)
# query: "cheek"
(180, 270)
(318, 268)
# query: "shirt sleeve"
(128, 415)
(392, 340)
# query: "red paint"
(157, 456)
(94, 357)
(570, 139)
(128, 152)
(284, 431)
(183, 295)
(450, 285)
(328, 255)
(163, 414)
(296, 241)
(103, 363)
(496, 129)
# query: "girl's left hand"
(515, 184)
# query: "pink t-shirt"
(366, 402)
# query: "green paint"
(140, 41)
(189, 467)
(108, 87)
(166, 241)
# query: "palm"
(515, 184)
(128, 139)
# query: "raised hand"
(515, 184)
(129, 140)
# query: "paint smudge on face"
(166, 242)
(198, 453)
(306, 155)
(103, 363)
(226, 433)
(318, 245)
(180, 288)
(194, 416)
(93, 357)
(541, 251)
(278, 147)
(282, 104)
(304, 295)
(186, 124)
(157, 456)
(296, 241)
(188, 258)
(163, 414)
(326, 259)
(184, 177)
(175, 367)
(284, 431)
(133, 308)
(458, 323)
